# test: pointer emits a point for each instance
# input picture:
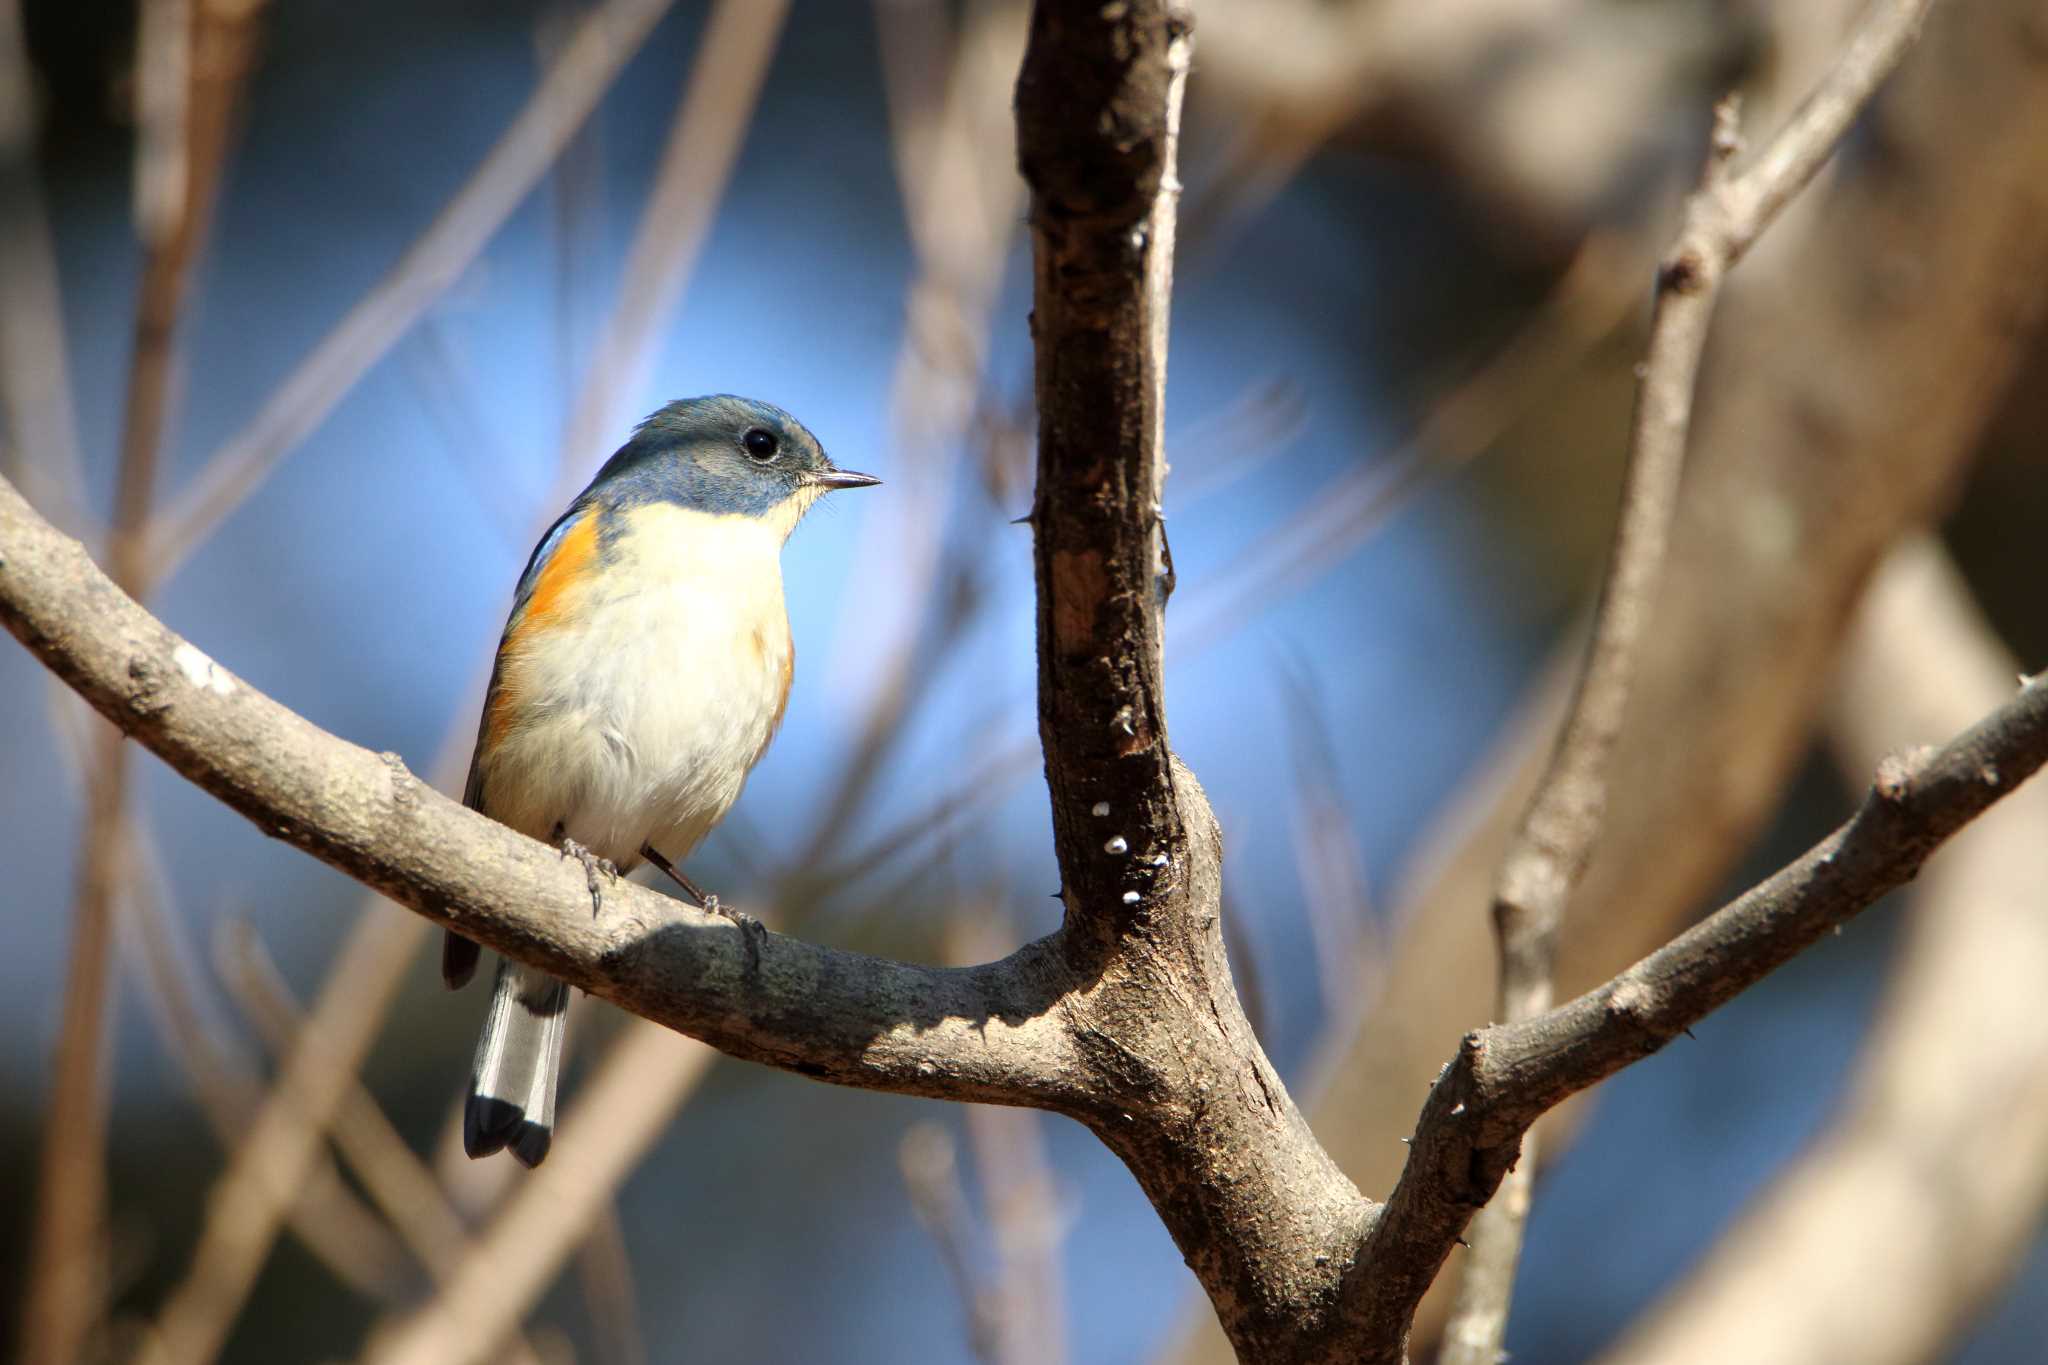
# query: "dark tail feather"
(458, 959)
(512, 1089)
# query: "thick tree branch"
(978, 1033)
(1564, 820)
(1126, 1019)
(1097, 115)
(1263, 1217)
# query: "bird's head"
(725, 456)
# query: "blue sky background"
(365, 583)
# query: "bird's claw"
(592, 866)
(752, 932)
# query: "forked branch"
(1126, 1019)
(1556, 838)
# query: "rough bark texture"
(1857, 355)
(1256, 1207)
(1125, 1019)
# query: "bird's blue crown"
(719, 454)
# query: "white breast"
(642, 711)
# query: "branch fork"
(1126, 1018)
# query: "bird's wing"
(459, 955)
(522, 596)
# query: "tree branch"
(1126, 1019)
(1506, 1076)
(975, 1033)
(1792, 493)
(1885, 1238)
(189, 86)
(1555, 841)
(579, 78)
(1098, 104)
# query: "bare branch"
(930, 1162)
(282, 1143)
(1506, 1076)
(618, 1117)
(979, 1032)
(188, 125)
(1558, 833)
(1097, 117)
(1890, 1232)
(405, 1190)
(1793, 493)
(333, 1222)
(718, 102)
(42, 450)
(571, 89)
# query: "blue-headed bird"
(643, 671)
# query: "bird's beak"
(844, 478)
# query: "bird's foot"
(753, 933)
(592, 866)
(714, 906)
(751, 928)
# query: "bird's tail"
(512, 1089)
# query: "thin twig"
(949, 133)
(717, 105)
(961, 207)
(209, 54)
(1884, 1239)
(604, 1265)
(1024, 1310)
(328, 1217)
(621, 1112)
(567, 94)
(930, 1161)
(249, 1199)
(576, 198)
(1562, 825)
(1506, 1076)
(404, 1189)
(1327, 855)
(453, 398)
(41, 450)
(1592, 298)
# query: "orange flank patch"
(574, 555)
(498, 715)
(782, 700)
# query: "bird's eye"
(759, 444)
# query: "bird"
(641, 675)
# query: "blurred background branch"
(1416, 241)
(1558, 832)
(188, 84)
(1804, 1274)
